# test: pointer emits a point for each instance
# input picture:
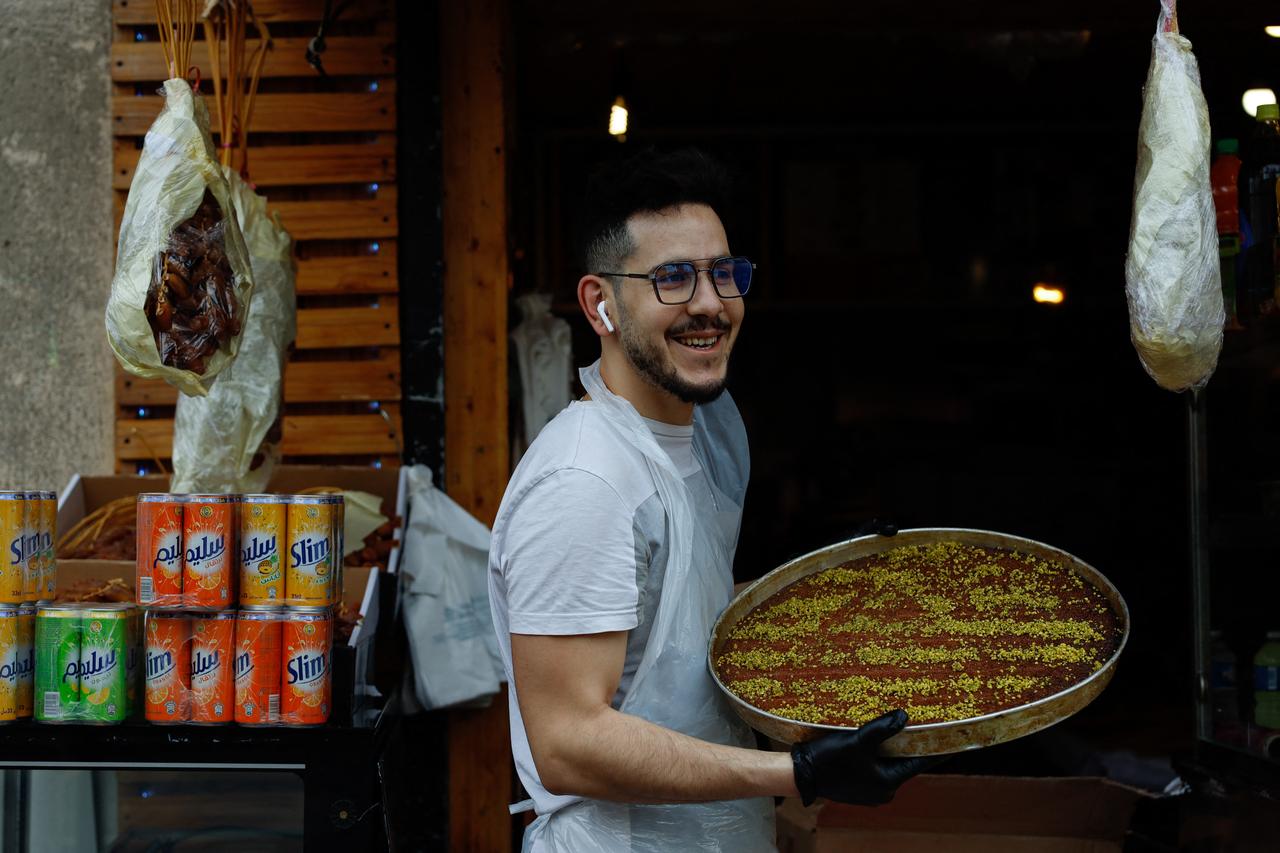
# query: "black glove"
(845, 766)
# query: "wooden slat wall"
(323, 151)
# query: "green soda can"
(57, 642)
(104, 664)
(133, 657)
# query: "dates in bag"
(216, 437)
(180, 296)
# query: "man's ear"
(592, 290)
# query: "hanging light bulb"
(1047, 294)
(618, 119)
(1273, 31)
(1254, 98)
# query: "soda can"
(8, 664)
(263, 528)
(168, 667)
(308, 666)
(313, 556)
(13, 532)
(104, 663)
(57, 673)
(160, 557)
(259, 656)
(32, 548)
(209, 561)
(212, 675)
(48, 526)
(133, 665)
(26, 661)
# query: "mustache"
(701, 324)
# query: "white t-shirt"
(579, 545)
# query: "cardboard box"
(970, 814)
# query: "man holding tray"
(613, 548)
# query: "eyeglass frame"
(652, 277)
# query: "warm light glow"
(618, 119)
(1047, 293)
(1253, 98)
(1273, 31)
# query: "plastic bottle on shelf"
(1258, 226)
(1266, 683)
(1223, 695)
(1224, 178)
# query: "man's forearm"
(616, 756)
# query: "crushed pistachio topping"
(946, 632)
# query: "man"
(612, 553)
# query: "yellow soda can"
(13, 539)
(48, 527)
(8, 664)
(32, 549)
(26, 660)
(264, 529)
(311, 578)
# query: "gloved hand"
(845, 766)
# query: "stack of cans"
(86, 663)
(28, 574)
(239, 592)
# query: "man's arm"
(582, 746)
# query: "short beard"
(648, 360)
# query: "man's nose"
(705, 298)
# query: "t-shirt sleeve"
(569, 558)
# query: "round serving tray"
(926, 738)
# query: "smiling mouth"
(704, 342)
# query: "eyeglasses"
(676, 282)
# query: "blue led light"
(377, 463)
(375, 406)
(145, 793)
(142, 470)
(373, 87)
(374, 247)
(143, 412)
(373, 188)
(139, 35)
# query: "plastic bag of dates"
(223, 442)
(180, 296)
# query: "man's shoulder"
(579, 442)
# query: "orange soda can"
(209, 556)
(8, 664)
(308, 666)
(48, 527)
(212, 675)
(263, 529)
(258, 660)
(26, 661)
(168, 667)
(160, 557)
(13, 539)
(313, 550)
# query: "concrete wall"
(56, 241)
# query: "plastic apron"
(672, 687)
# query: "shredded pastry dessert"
(946, 631)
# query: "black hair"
(646, 182)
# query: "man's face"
(683, 349)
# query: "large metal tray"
(926, 738)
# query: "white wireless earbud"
(604, 317)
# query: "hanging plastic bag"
(216, 437)
(544, 355)
(1174, 284)
(183, 280)
(672, 686)
(445, 562)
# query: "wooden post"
(474, 94)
